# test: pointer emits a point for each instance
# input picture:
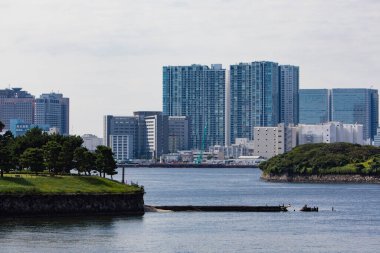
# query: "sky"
(107, 55)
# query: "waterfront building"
(314, 106)
(53, 109)
(289, 87)
(330, 132)
(91, 141)
(178, 134)
(143, 149)
(272, 141)
(254, 97)
(197, 92)
(356, 106)
(120, 133)
(156, 135)
(16, 104)
(122, 147)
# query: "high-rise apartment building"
(197, 92)
(53, 109)
(289, 87)
(254, 97)
(16, 104)
(314, 106)
(356, 106)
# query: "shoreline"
(190, 165)
(343, 179)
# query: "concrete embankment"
(188, 165)
(71, 204)
(323, 179)
(219, 208)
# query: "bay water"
(353, 226)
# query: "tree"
(32, 158)
(34, 138)
(84, 160)
(105, 163)
(66, 156)
(5, 152)
(1, 126)
(51, 151)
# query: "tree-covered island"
(322, 162)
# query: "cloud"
(114, 50)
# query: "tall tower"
(289, 87)
(254, 97)
(314, 106)
(360, 106)
(16, 104)
(53, 109)
(197, 92)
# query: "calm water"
(353, 227)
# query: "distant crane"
(200, 156)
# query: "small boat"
(306, 208)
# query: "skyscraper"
(314, 106)
(289, 87)
(16, 104)
(53, 109)
(254, 97)
(197, 92)
(359, 106)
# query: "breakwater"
(187, 165)
(71, 204)
(322, 179)
(219, 208)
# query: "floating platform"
(218, 208)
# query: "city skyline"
(98, 53)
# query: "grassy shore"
(31, 184)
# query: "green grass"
(27, 184)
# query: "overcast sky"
(107, 55)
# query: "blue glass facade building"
(289, 87)
(53, 109)
(197, 92)
(254, 97)
(356, 106)
(314, 106)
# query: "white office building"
(271, 141)
(91, 141)
(122, 147)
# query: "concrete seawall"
(70, 204)
(322, 179)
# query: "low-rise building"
(91, 141)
